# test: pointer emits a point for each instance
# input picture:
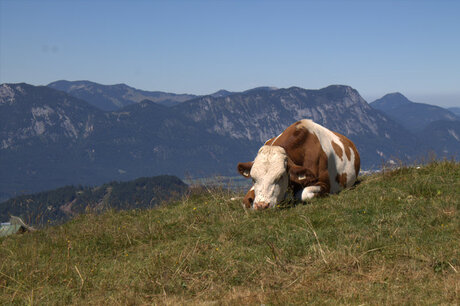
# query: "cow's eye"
(254, 180)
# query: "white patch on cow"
(308, 193)
(301, 177)
(335, 163)
(270, 176)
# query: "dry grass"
(394, 239)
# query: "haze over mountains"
(87, 133)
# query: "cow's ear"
(245, 169)
(301, 175)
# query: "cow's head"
(271, 172)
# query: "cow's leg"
(320, 188)
(308, 193)
(249, 198)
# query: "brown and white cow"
(307, 157)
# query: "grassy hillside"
(394, 239)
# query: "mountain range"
(114, 97)
(50, 137)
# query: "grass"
(393, 239)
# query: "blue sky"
(200, 47)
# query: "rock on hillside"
(30, 115)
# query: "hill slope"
(393, 239)
(455, 110)
(444, 138)
(59, 205)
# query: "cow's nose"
(261, 205)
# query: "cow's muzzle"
(261, 205)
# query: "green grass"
(393, 239)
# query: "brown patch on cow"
(301, 175)
(338, 150)
(245, 168)
(341, 179)
(304, 149)
(348, 152)
(349, 145)
(249, 198)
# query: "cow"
(306, 157)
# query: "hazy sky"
(200, 47)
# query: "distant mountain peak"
(221, 93)
(413, 116)
(269, 88)
(66, 83)
(337, 86)
(261, 88)
(391, 101)
(338, 92)
(397, 96)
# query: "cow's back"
(342, 156)
(321, 150)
